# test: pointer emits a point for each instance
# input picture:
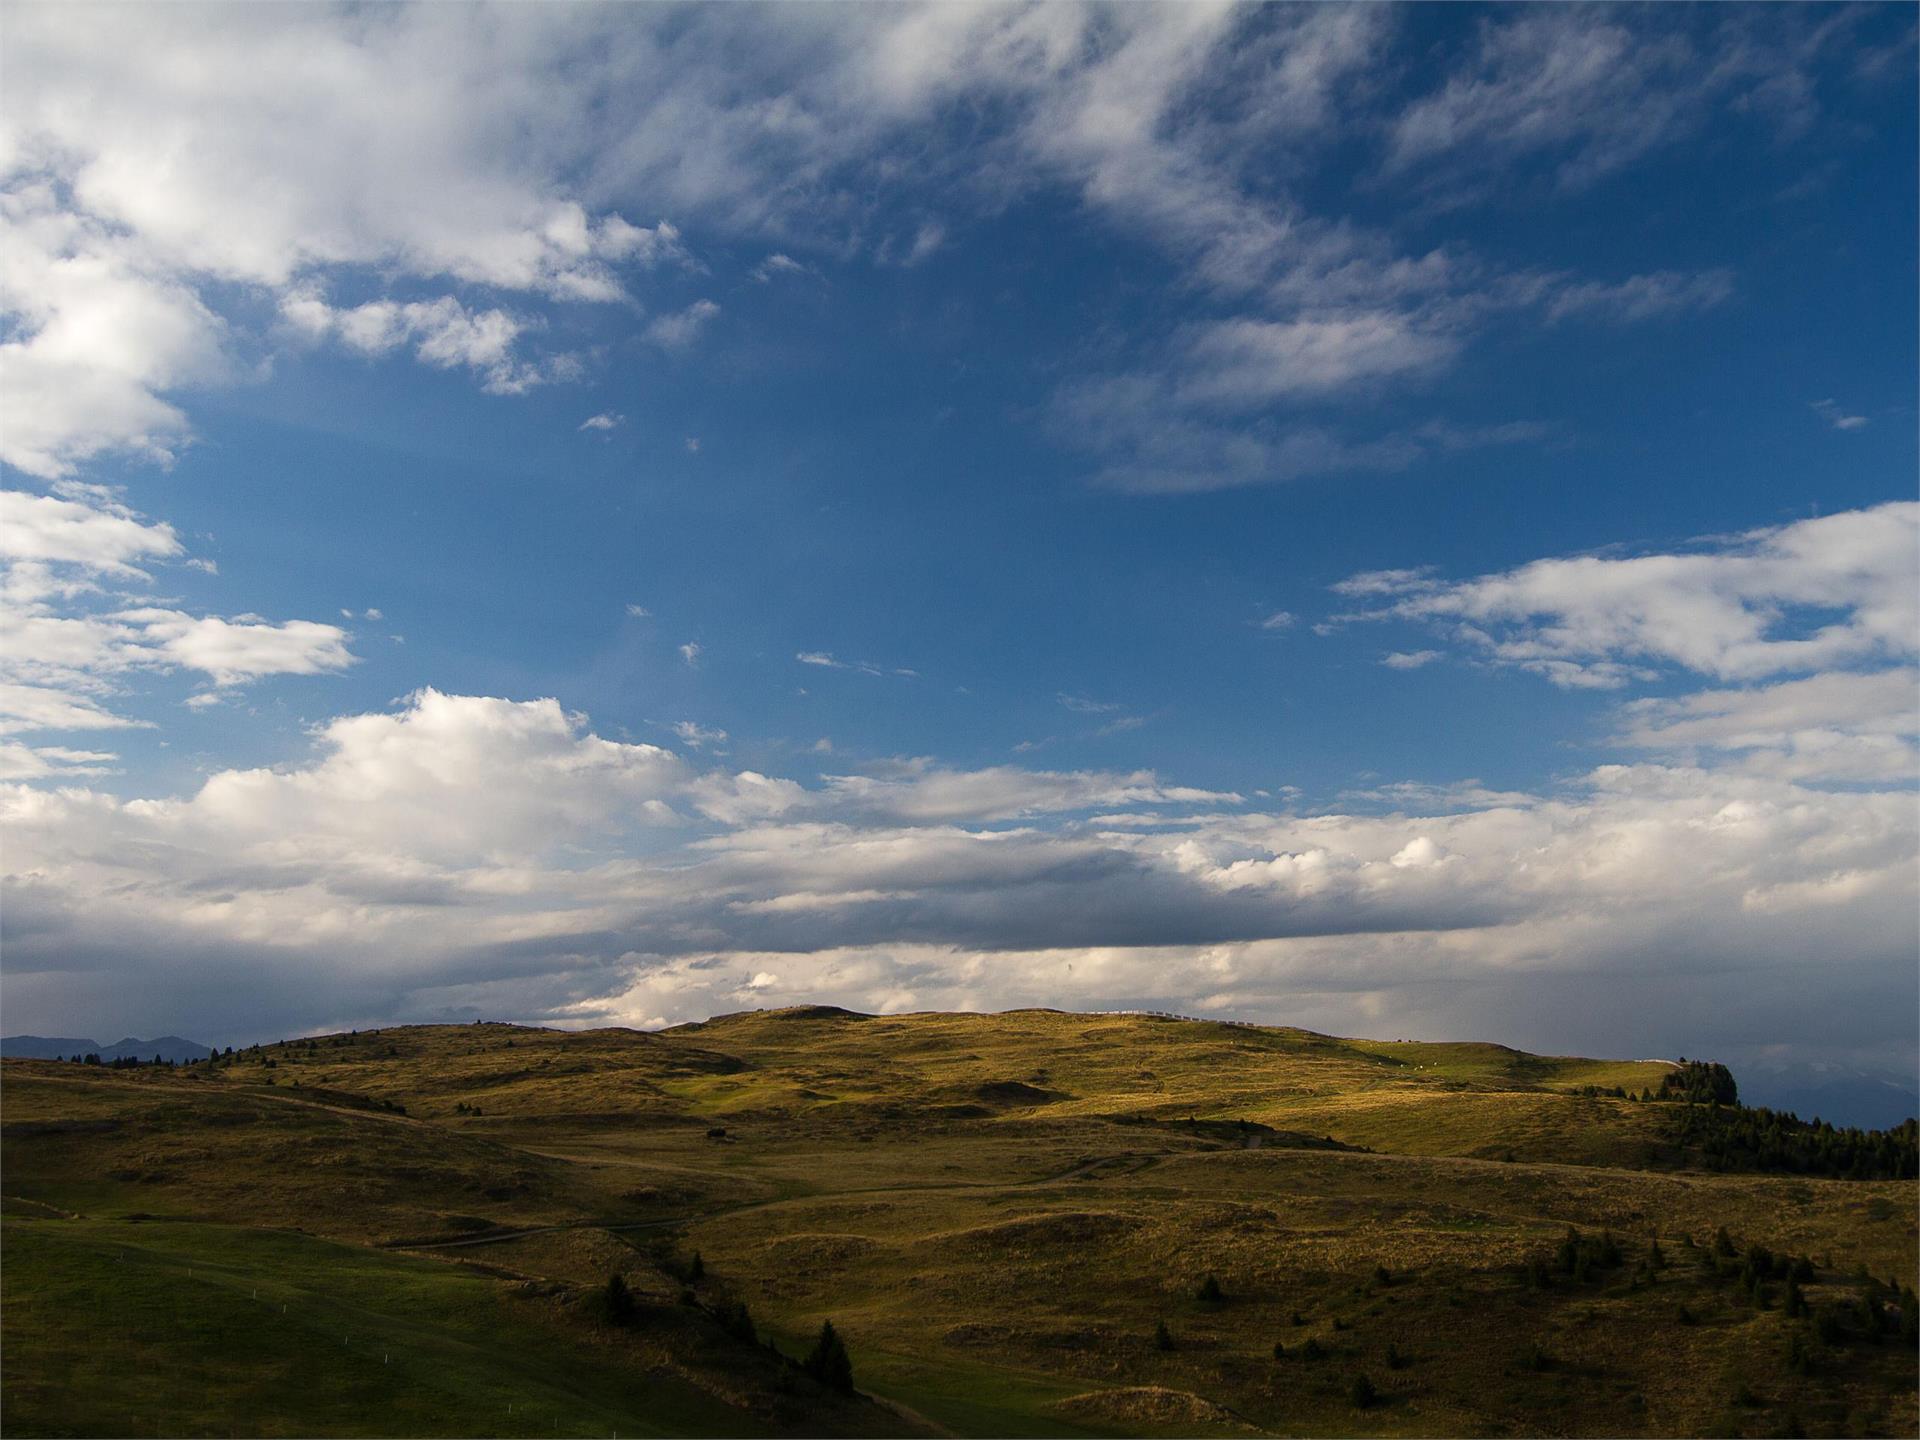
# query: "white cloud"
(638, 612)
(1840, 590)
(242, 649)
(1081, 705)
(1588, 91)
(1151, 438)
(1280, 620)
(522, 831)
(1251, 361)
(690, 652)
(826, 661)
(96, 331)
(921, 792)
(50, 762)
(103, 537)
(776, 264)
(1834, 726)
(698, 736)
(606, 420)
(311, 151)
(443, 332)
(1642, 297)
(63, 643)
(1409, 659)
(683, 327)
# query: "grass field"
(998, 1212)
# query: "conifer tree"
(828, 1362)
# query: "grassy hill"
(1011, 1218)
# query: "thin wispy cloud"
(1839, 419)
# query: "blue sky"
(1393, 519)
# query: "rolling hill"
(1012, 1219)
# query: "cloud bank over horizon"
(464, 855)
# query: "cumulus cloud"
(138, 182)
(538, 847)
(443, 332)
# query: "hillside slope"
(1011, 1218)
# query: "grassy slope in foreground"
(996, 1210)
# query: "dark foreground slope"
(1011, 1218)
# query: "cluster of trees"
(1577, 1258)
(1877, 1309)
(1700, 1082)
(827, 1362)
(1780, 1142)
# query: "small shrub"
(1395, 1360)
(1538, 1359)
(736, 1320)
(1162, 1337)
(696, 1269)
(1799, 1354)
(1361, 1393)
(620, 1303)
(1382, 1275)
(1279, 1350)
(1312, 1350)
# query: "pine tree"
(1210, 1292)
(1162, 1337)
(829, 1362)
(1362, 1393)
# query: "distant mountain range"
(54, 1047)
